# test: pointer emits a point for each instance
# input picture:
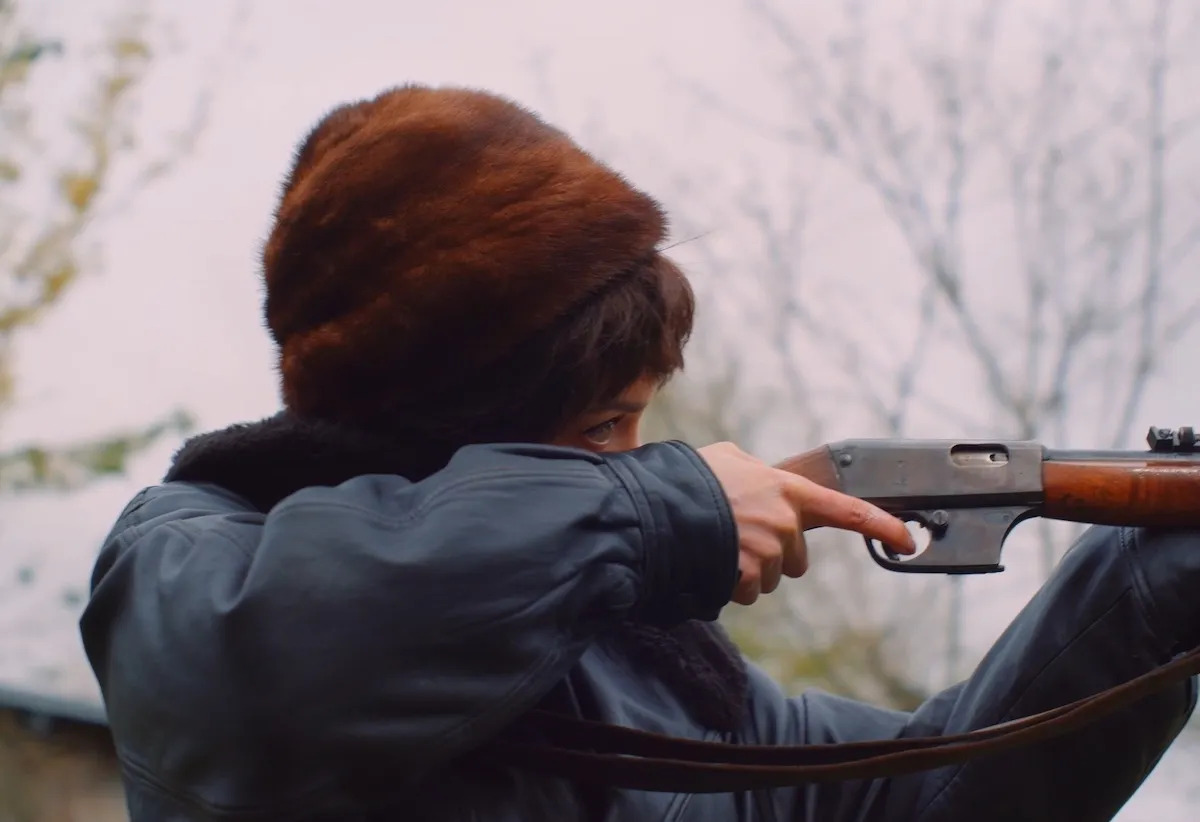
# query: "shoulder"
(178, 515)
(179, 500)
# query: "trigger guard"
(890, 561)
(972, 548)
(885, 557)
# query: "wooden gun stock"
(1141, 491)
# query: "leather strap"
(587, 751)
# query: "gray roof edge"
(16, 699)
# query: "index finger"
(823, 507)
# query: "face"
(613, 426)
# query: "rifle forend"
(970, 494)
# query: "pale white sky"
(172, 318)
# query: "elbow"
(169, 628)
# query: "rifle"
(969, 495)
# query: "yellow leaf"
(13, 318)
(6, 383)
(130, 47)
(57, 280)
(79, 189)
(117, 84)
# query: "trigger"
(934, 522)
(884, 556)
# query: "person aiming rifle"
(452, 529)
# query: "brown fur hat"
(427, 221)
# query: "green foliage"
(853, 662)
(37, 467)
(39, 254)
(45, 213)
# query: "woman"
(329, 613)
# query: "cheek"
(624, 443)
(627, 437)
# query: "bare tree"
(1049, 225)
(1085, 286)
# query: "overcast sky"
(172, 317)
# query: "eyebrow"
(624, 406)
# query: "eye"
(602, 433)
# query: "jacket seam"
(176, 526)
(137, 503)
(715, 490)
(133, 523)
(425, 505)
(1141, 587)
(145, 779)
(1004, 715)
(646, 523)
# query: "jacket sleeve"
(1117, 606)
(383, 621)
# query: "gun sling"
(583, 750)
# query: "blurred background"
(956, 218)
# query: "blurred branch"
(1152, 271)
(40, 468)
(1070, 303)
(41, 255)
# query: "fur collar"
(268, 460)
(271, 459)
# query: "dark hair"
(636, 327)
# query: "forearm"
(1115, 608)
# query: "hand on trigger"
(773, 508)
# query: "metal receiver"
(968, 495)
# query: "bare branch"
(1177, 326)
(40, 256)
(1156, 196)
(39, 468)
(1076, 156)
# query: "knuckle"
(771, 551)
(787, 525)
(747, 592)
(860, 514)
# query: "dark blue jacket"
(334, 655)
